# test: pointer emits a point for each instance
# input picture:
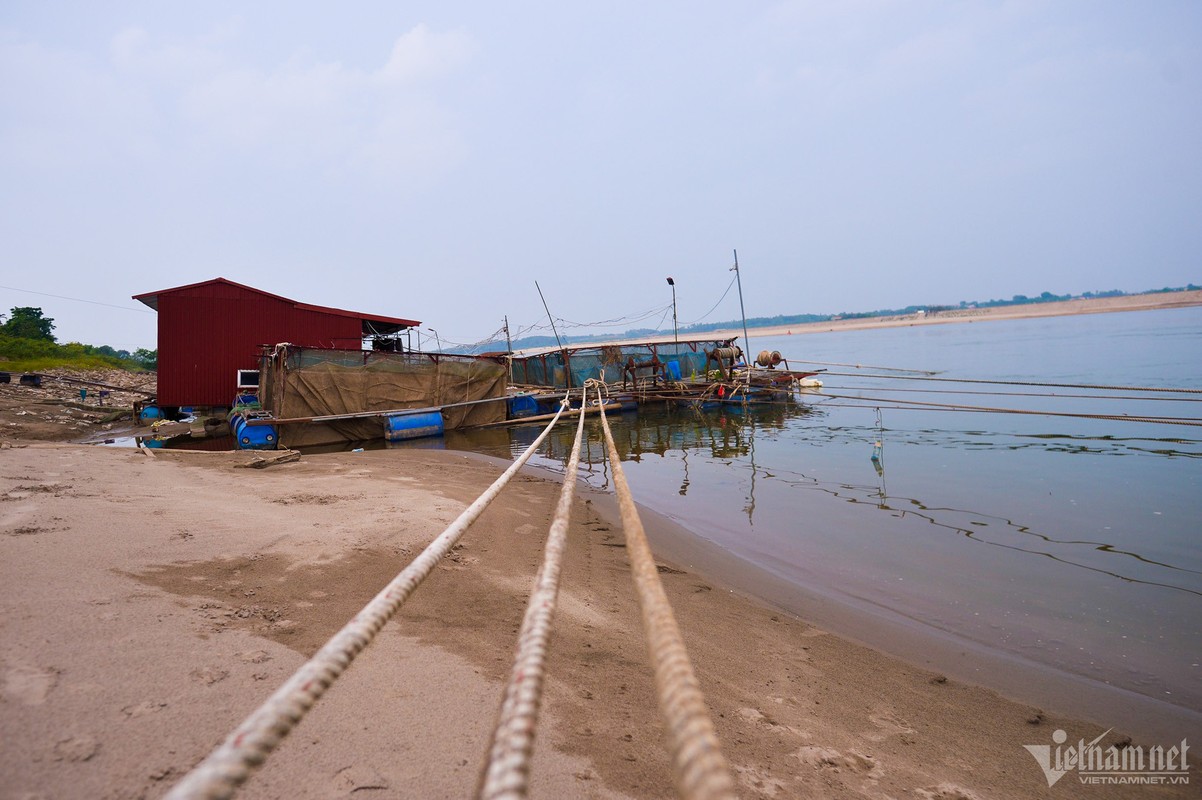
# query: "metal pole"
(549, 317)
(508, 343)
(567, 372)
(746, 338)
(437, 340)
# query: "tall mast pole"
(746, 338)
(549, 317)
(675, 330)
(567, 373)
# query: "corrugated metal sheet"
(209, 331)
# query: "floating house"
(211, 335)
(571, 366)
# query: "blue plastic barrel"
(524, 405)
(151, 413)
(412, 426)
(253, 437)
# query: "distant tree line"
(28, 335)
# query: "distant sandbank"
(1091, 305)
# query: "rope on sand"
(507, 771)
(701, 771)
(231, 763)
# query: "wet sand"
(150, 602)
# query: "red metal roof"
(152, 299)
(208, 331)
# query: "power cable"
(78, 300)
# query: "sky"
(433, 161)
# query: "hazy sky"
(433, 160)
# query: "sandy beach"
(150, 602)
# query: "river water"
(1066, 541)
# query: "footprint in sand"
(759, 781)
(29, 685)
(76, 748)
(359, 778)
(946, 791)
(820, 757)
(142, 709)
(759, 718)
(887, 724)
(209, 675)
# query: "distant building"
(210, 335)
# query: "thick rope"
(507, 771)
(220, 774)
(700, 769)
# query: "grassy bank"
(37, 355)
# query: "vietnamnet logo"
(1130, 764)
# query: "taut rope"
(700, 770)
(507, 771)
(220, 774)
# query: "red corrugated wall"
(209, 332)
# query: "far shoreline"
(1060, 308)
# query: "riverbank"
(212, 584)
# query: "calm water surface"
(1070, 542)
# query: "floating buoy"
(400, 427)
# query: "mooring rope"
(220, 774)
(864, 366)
(1054, 395)
(699, 767)
(1167, 390)
(506, 773)
(922, 405)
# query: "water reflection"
(1015, 538)
(726, 438)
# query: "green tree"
(29, 323)
(147, 359)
